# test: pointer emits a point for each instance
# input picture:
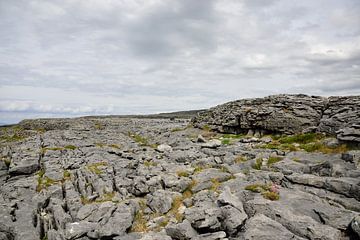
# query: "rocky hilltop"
(287, 114)
(231, 173)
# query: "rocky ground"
(112, 178)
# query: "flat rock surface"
(126, 178)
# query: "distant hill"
(179, 114)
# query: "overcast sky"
(87, 57)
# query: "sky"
(65, 58)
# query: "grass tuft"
(70, 147)
(182, 174)
(95, 167)
(225, 141)
(273, 196)
(273, 160)
(258, 163)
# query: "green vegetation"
(257, 187)
(320, 147)
(301, 138)
(266, 190)
(206, 127)
(150, 163)
(140, 222)
(44, 182)
(115, 146)
(240, 159)
(100, 145)
(12, 134)
(273, 196)
(67, 175)
(70, 147)
(177, 129)
(142, 141)
(233, 136)
(95, 167)
(310, 142)
(99, 126)
(258, 163)
(182, 173)
(67, 147)
(225, 141)
(273, 159)
(215, 185)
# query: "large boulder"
(278, 113)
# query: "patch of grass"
(225, 141)
(66, 175)
(45, 149)
(176, 129)
(233, 136)
(273, 196)
(99, 126)
(198, 169)
(258, 163)
(246, 171)
(277, 145)
(150, 163)
(99, 144)
(140, 222)
(115, 146)
(266, 190)
(142, 141)
(215, 185)
(223, 168)
(182, 174)
(95, 167)
(320, 147)
(257, 187)
(41, 130)
(164, 223)
(273, 160)
(206, 127)
(176, 204)
(302, 138)
(240, 159)
(44, 182)
(12, 134)
(107, 197)
(70, 147)
(84, 200)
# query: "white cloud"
(83, 56)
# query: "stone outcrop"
(287, 114)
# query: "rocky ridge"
(288, 114)
(125, 178)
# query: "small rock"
(212, 236)
(201, 139)
(214, 143)
(355, 225)
(164, 148)
(181, 231)
(160, 201)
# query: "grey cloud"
(143, 56)
(173, 27)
